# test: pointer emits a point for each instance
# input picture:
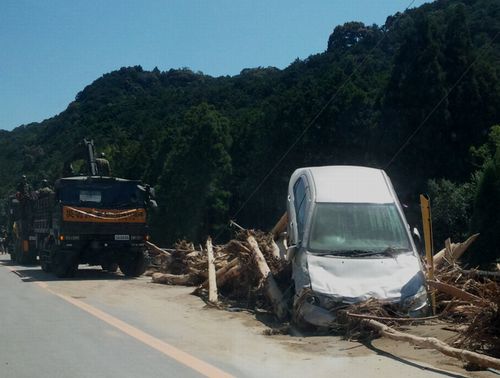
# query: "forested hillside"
(207, 144)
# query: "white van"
(349, 241)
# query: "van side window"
(299, 202)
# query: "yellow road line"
(178, 355)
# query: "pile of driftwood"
(246, 272)
(470, 299)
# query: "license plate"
(122, 237)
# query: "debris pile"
(248, 270)
(473, 302)
(469, 299)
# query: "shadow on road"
(33, 273)
(88, 274)
(383, 353)
(11, 263)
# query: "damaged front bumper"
(314, 315)
(322, 311)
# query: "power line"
(415, 132)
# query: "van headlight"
(417, 304)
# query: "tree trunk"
(159, 250)
(222, 273)
(174, 279)
(230, 274)
(456, 292)
(280, 227)
(433, 343)
(275, 250)
(453, 251)
(212, 281)
(272, 290)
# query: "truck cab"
(349, 241)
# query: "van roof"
(351, 184)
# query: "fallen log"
(480, 273)
(236, 245)
(453, 251)
(467, 310)
(212, 281)
(433, 343)
(271, 289)
(275, 250)
(280, 227)
(174, 279)
(391, 319)
(221, 276)
(157, 249)
(231, 274)
(456, 292)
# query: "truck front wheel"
(45, 260)
(110, 267)
(135, 265)
(18, 252)
(64, 264)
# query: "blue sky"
(50, 50)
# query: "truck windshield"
(355, 228)
(110, 195)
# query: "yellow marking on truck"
(92, 215)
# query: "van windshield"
(357, 228)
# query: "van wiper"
(351, 252)
(390, 251)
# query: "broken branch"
(387, 318)
(280, 227)
(455, 292)
(453, 251)
(433, 343)
(272, 290)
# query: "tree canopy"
(416, 92)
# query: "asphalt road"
(105, 325)
(42, 335)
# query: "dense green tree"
(485, 218)
(466, 123)
(415, 102)
(356, 103)
(352, 33)
(192, 188)
(451, 209)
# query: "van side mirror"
(417, 239)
